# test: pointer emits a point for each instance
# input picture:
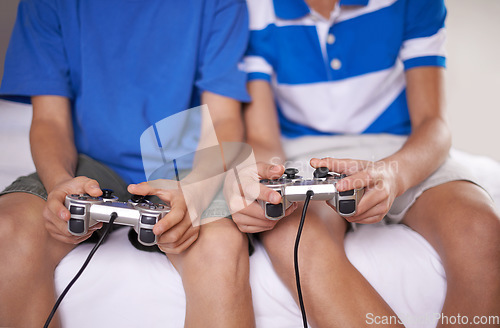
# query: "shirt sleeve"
(258, 61)
(220, 68)
(35, 62)
(425, 34)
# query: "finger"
(243, 220)
(370, 199)
(176, 215)
(176, 234)
(181, 248)
(338, 165)
(358, 180)
(378, 211)
(142, 188)
(252, 229)
(55, 205)
(371, 220)
(186, 236)
(270, 171)
(92, 188)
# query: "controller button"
(321, 172)
(82, 197)
(274, 210)
(137, 198)
(148, 219)
(264, 181)
(347, 193)
(107, 193)
(290, 172)
(74, 195)
(347, 206)
(76, 225)
(146, 236)
(160, 207)
(78, 210)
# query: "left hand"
(378, 178)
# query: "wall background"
(473, 78)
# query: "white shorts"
(371, 147)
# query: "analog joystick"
(138, 199)
(321, 172)
(107, 193)
(291, 172)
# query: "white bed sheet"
(124, 287)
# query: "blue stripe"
(258, 76)
(424, 18)
(290, 9)
(353, 2)
(365, 44)
(425, 61)
(395, 119)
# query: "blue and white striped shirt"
(345, 74)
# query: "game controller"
(293, 188)
(138, 212)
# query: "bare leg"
(335, 293)
(28, 257)
(461, 223)
(215, 274)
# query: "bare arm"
(261, 120)
(51, 140)
(55, 158)
(430, 140)
(425, 150)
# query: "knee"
(223, 252)
(18, 242)
(479, 232)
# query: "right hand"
(251, 218)
(56, 214)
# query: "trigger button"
(76, 225)
(147, 236)
(77, 210)
(148, 219)
(274, 210)
(347, 193)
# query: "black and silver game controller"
(138, 213)
(293, 188)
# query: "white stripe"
(428, 46)
(261, 13)
(332, 110)
(253, 64)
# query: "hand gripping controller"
(139, 213)
(293, 188)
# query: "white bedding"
(124, 287)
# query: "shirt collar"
(293, 9)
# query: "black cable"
(89, 257)
(309, 195)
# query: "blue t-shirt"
(125, 65)
(344, 74)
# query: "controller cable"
(309, 195)
(91, 254)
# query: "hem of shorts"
(5, 192)
(396, 219)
